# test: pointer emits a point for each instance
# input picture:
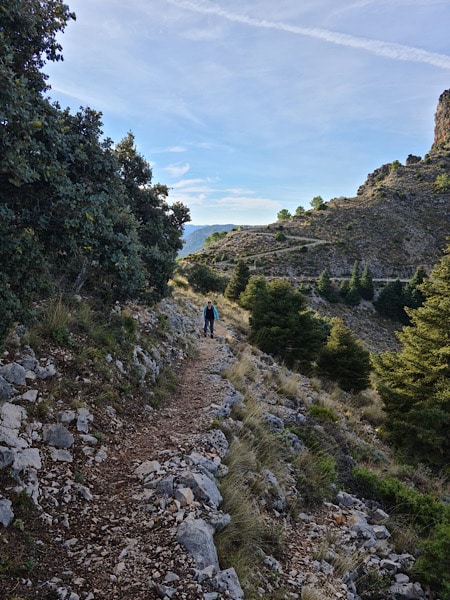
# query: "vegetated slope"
(195, 236)
(114, 454)
(399, 219)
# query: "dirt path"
(118, 541)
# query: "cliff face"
(442, 120)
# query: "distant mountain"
(188, 229)
(400, 219)
(195, 235)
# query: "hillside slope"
(196, 236)
(106, 497)
(399, 220)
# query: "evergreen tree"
(255, 290)
(318, 203)
(238, 281)
(413, 297)
(284, 215)
(355, 281)
(326, 288)
(353, 295)
(390, 301)
(414, 383)
(83, 214)
(203, 280)
(344, 360)
(161, 226)
(366, 284)
(280, 324)
(343, 289)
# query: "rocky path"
(111, 515)
(129, 512)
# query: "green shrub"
(321, 413)
(315, 474)
(203, 280)
(423, 509)
(442, 183)
(433, 564)
(280, 237)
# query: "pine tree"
(390, 301)
(344, 289)
(414, 383)
(254, 291)
(353, 295)
(282, 325)
(344, 360)
(412, 295)
(355, 281)
(325, 287)
(366, 284)
(238, 281)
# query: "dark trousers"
(211, 326)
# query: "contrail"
(380, 48)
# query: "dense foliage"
(280, 323)
(415, 382)
(431, 519)
(76, 212)
(238, 281)
(215, 236)
(395, 298)
(344, 360)
(202, 279)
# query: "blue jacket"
(216, 314)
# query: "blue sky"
(247, 107)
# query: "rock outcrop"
(442, 120)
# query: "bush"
(203, 280)
(428, 516)
(442, 183)
(433, 564)
(422, 509)
(280, 237)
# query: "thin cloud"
(176, 149)
(244, 203)
(377, 47)
(177, 170)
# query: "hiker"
(209, 314)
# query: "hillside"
(399, 220)
(168, 465)
(195, 236)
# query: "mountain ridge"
(398, 220)
(195, 236)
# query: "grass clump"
(249, 536)
(321, 413)
(315, 474)
(165, 387)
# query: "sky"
(247, 107)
